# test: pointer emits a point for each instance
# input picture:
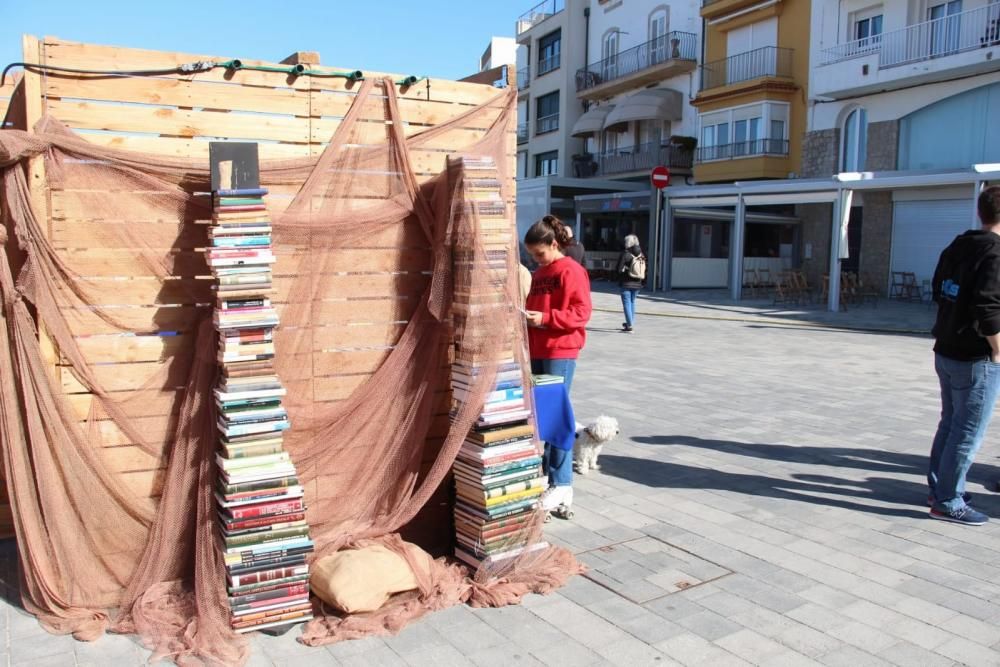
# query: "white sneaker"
(555, 496)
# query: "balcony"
(769, 61)
(740, 149)
(655, 60)
(539, 13)
(642, 157)
(546, 65)
(548, 123)
(523, 78)
(926, 52)
(522, 132)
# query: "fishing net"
(95, 555)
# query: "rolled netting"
(88, 545)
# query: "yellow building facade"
(753, 89)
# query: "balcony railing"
(642, 157)
(765, 61)
(522, 132)
(548, 123)
(741, 149)
(523, 78)
(546, 65)
(965, 31)
(672, 46)
(539, 13)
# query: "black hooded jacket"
(967, 290)
(624, 262)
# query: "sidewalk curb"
(782, 323)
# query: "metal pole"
(667, 245)
(655, 250)
(833, 281)
(975, 201)
(736, 250)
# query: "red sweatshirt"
(561, 292)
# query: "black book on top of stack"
(498, 477)
(263, 533)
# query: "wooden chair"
(904, 286)
(751, 281)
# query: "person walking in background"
(574, 248)
(557, 310)
(966, 287)
(631, 276)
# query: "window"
(658, 28)
(870, 28)
(609, 56)
(855, 141)
(547, 164)
(547, 113)
(945, 27)
(753, 129)
(548, 52)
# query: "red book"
(242, 207)
(288, 600)
(262, 522)
(222, 254)
(268, 575)
(260, 509)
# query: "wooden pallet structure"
(179, 115)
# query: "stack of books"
(498, 475)
(263, 532)
(541, 380)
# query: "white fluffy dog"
(590, 441)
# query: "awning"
(592, 122)
(651, 104)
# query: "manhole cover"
(646, 568)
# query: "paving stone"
(378, 656)
(503, 656)
(968, 652)
(709, 625)
(908, 655)
(56, 660)
(850, 656)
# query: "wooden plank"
(181, 122)
(128, 377)
(76, 232)
(149, 403)
(147, 291)
(130, 458)
(192, 148)
(188, 264)
(200, 94)
(181, 92)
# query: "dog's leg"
(593, 457)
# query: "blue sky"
(439, 38)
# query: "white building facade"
(908, 86)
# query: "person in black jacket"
(966, 288)
(574, 248)
(631, 276)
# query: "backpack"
(637, 269)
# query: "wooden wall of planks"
(178, 115)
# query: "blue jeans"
(564, 368)
(628, 303)
(968, 392)
(557, 463)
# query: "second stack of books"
(263, 531)
(498, 477)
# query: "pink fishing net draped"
(97, 556)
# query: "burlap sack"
(361, 580)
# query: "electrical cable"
(206, 65)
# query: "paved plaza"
(764, 504)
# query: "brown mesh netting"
(88, 544)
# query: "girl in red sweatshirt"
(558, 309)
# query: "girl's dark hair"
(546, 231)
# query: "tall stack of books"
(498, 476)
(263, 532)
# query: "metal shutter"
(922, 229)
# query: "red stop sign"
(660, 177)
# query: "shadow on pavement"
(853, 494)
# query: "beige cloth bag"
(361, 580)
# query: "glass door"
(945, 27)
